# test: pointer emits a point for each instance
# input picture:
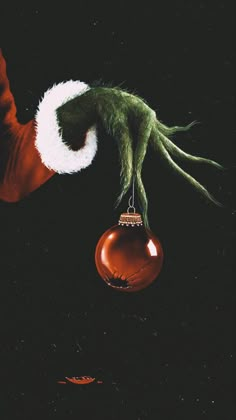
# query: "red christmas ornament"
(128, 256)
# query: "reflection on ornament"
(129, 256)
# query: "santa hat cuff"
(54, 152)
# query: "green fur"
(134, 125)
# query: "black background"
(166, 352)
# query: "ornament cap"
(130, 219)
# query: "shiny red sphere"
(128, 258)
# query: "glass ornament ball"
(128, 256)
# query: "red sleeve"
(21, 168)
(8, 120)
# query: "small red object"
(82, 380)
(128, 256)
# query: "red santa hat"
(30, 154)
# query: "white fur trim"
(54, 153)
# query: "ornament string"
(131, 200)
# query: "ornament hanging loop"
(131, 206)
(131, 201)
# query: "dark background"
(166, 352)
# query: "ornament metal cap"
(130, 219)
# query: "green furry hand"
(134, 125)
